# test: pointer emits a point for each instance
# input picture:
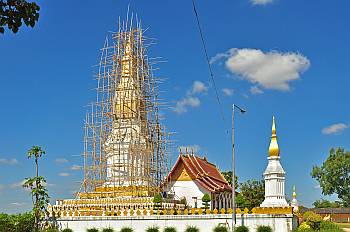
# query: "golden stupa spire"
(294, 193)
(274, 149)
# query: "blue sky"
(273, 57)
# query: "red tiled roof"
(202, 172)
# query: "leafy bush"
(67, 230)
(152, 229)
(92, 230)
(220, 229)
(170, 229)
(329, 226)
(241, 229)
(264, 229)
(205, 201)
(126, 229)
(108, 230)
(51, 230)
(312, 219)
(304, 227)
(192, 229)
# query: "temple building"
(191, 177)
(274, 175)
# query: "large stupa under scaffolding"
(125, 144)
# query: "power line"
(209, 65)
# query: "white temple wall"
(189, 190)
(205, 223)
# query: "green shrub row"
(189, 229)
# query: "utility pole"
(233, 165)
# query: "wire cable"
(212, 79)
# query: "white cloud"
(76, 167)
(183, 104)
(195, 148)
(255, 90)
(227, 91)
(269, 70)
(17, 204)
(198, 87)
(8, 161)
(17, 184)
(261, 2)
(2, 187)
(61, 160)
(335, 129)
(64, 174)
(190, 100)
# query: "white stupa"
(274, 175)
(294, 203)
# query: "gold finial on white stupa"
(273, 148)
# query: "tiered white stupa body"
(274, 175)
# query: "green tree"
(326, 204)
(334, 175)
(253, 193)
(228, 177)
(13, 12)
(205, 201)
(39, 192)
(16, 223)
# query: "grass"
(343, 225)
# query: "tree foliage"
(334, 175)
(37, 188)
(39, 194)
(252, 194)
(16, 223)
(14, 12)
(228, 177)
(326, 204)
(312, 219)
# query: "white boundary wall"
(205, 223)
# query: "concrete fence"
(205, 223)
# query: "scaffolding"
(125, 145)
